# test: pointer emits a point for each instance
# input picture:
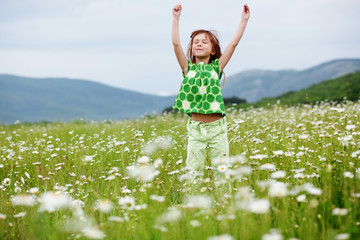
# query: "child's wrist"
(244, 19)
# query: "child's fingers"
(246, 8)
(177, 8)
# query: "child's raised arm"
(179, 52)
(225, 57)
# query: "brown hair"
(212, 36)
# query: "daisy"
(6, 182)
(267, 166)
(278, 153)
(259, 206)
(278, 189)
(304, 136)
(115, 219)
(88, 158)
(342, 236)
(143, 173)
(93, 233)
(157, 198)
(195, 223)
(172, 215)
(350, 127)
(197, 201)
(273, 235)
(222, 168)
(311, 189)
(143, 160)
(301, 198)
(20, 214)
(340, 211)
(23, 200)
(52, 201)
(127, 202)
(278, 174)
(348, 175)
(221, 237)
(104, 205)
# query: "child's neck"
(202, 59)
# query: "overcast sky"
(127, 44)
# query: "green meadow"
(294, 173)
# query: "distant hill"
(333, 90)
(256, 84)
(62, 99)
(59, 99)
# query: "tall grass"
(293, 173)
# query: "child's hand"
(246, 12)
(177, 11)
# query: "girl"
(200, 94)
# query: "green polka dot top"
(200, 90)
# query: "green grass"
(336, 90)
(316, 148)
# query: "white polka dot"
(186, 104)
(191, 74)
(215, 106)
(214, 75)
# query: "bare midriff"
(206, 118)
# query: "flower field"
(294, 173)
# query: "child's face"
(202, 46)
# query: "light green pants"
(211, 135)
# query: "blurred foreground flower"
(88, 158)
(259, 206)
(103, 205)
(342, 236)
(273, 235)
(221, 237)
(23, 200)
(143, 173)
(173, 214)
(278, 189)
(20, 214)
(93, 233)
(340, 211)
(52, 201)
(278, 174)
(157, 144)
(267, 166)
(157, 198)
(197, 201)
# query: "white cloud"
(128, 43)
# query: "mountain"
(332, 90)
(255, 84)
(62, 99)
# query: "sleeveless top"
(200, 90)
